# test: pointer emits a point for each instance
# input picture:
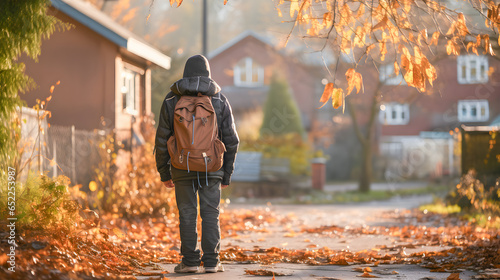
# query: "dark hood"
(197, 65)
(195, 85)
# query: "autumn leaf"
(354, 80)
(454, 276)
(327, 94)
(294, 6)
(452, 48)
(396, 68)
(118, 232)
(461, 26)
(435, 38)
(367, 275)
(382, 24)
(337, 98)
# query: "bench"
(256, 176)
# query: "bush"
(42, 203)
(472, 196)
(135, 189)
(290, 146)
(281, 114)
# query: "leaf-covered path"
(387, 240)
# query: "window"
(394, 114)
(388, 77)
(248, 73)
(472, 69)
(392, 149)
(473, 110)
(129, 89)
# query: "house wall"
(437, 110)
(89, 69)
(84, 63)
(303, 84)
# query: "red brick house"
(243, 68)
(104, 70)
(105, 84)
(418, 131)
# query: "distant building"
(105, 84)
(104, 70)
(243, 67)
(418, 131)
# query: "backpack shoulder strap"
(174, 99)
(217, 103)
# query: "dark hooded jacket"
(196, 80)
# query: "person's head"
(197, 65)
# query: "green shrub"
(42, 203)
(473, 197)
(281, 114)
(290, 146)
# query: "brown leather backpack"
(195, 145)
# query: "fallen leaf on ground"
(367, 275)
(264, 272)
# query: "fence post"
(73, 155)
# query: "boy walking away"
(196, 144)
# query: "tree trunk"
(366, 140)
(366, 168)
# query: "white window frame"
(392, 149)
(394, 113)
(247, 70)
(465, 109)
(388, 77)
(469, 69)
(129, 88)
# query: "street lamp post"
(204, 29)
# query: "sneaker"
(182, 268)
(214, 269)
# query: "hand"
(223, 186)
(169, 184)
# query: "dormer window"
(247, 73)
(472, 69)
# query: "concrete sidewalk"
(378, 186)
(311, 216)
(324, 272)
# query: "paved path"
(352, 186)
(353, 215)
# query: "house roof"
(236, 39)
(99, 22)
(304, 56)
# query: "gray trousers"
(186, 192)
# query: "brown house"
(243, 68)
(103, 69)
(105, 84)
(419, 131)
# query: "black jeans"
(186, 196)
